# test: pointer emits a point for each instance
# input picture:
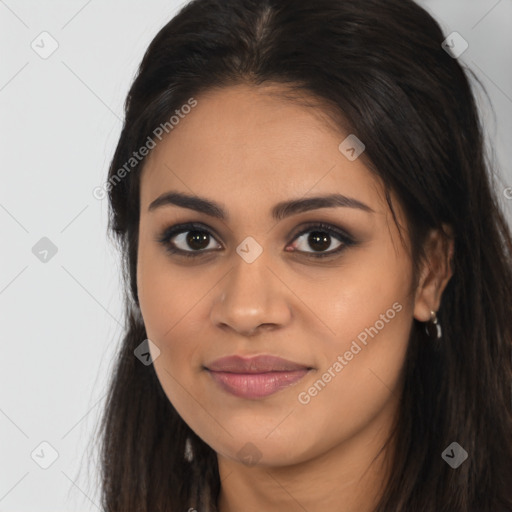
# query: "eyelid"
(324, 226)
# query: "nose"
(251, 298)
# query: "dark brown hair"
(379, 66)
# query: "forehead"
(256, 143)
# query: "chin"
(259, 450)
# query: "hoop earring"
(189, 455)
(433, 327)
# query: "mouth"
(255, 377)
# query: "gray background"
(60, 120)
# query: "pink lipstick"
(255, 377)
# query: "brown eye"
(318, 241)
(193, 241)
(322, 240)
(187, 240)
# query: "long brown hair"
(379, 66)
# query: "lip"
(255, 377)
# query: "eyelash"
(168, 233)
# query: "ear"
(435, 273)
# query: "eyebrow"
(279, 211)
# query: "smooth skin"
(248, 149)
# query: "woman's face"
(254, 283)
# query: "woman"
(318, 272)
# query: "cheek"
(169, 294)
(366, 346)
(358, 381)
(371, 289)
(368, 310)
(171, 306)
(170, 301)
